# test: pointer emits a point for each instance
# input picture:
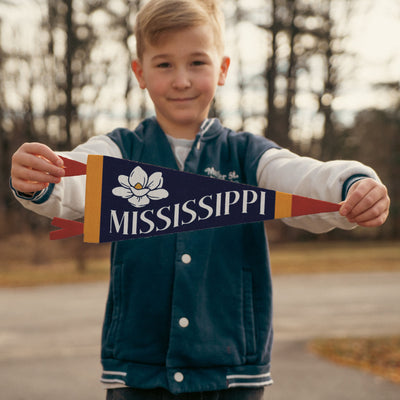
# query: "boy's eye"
(198, 63)
(164, 65)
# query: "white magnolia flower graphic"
(139, 189)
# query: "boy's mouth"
(182, 99)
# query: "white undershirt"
(181, 149)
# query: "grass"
(380, 356)
(32, 260)
(58, 272)
(29, 260)
(335, 257)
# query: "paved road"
(49, 337)
(329, 305)
(308, 306)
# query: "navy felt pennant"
(128, 200)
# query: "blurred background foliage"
(65, 76)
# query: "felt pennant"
(128, 200)
(73, 168)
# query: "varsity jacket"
(192, 311)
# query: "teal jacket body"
(191, 311)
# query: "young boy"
(191, 313)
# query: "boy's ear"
(226, 62)
(138, 71)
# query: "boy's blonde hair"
(160, 16)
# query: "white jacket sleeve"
(284, 171)
(67, 198)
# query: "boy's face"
(181, 73)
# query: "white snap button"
(178, 376)
(186, 259)
(183, 322)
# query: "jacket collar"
(209, 129)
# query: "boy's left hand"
(367, 203)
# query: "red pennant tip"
(68, 228)
(303, 206)
(73, 168)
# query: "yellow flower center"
(138, 186)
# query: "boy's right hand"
(34, 166)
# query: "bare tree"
(4, 143)
(299, 32)
(271, 73)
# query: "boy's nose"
(181, 80)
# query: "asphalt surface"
(330, 305)
(49, 337)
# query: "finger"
(351, 201)
(39, 163)
(367, 201)
(379, 209)
(31, 175)
(373, 223)
(43, 152)
(354, 196)
(27, 179)
(362, 195)
(28, 187)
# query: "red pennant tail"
(304, 206)
(68, 228)
(73, 168)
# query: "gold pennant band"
(283, 205)
(94, 180)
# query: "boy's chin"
(182, 127)
(186, 119)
